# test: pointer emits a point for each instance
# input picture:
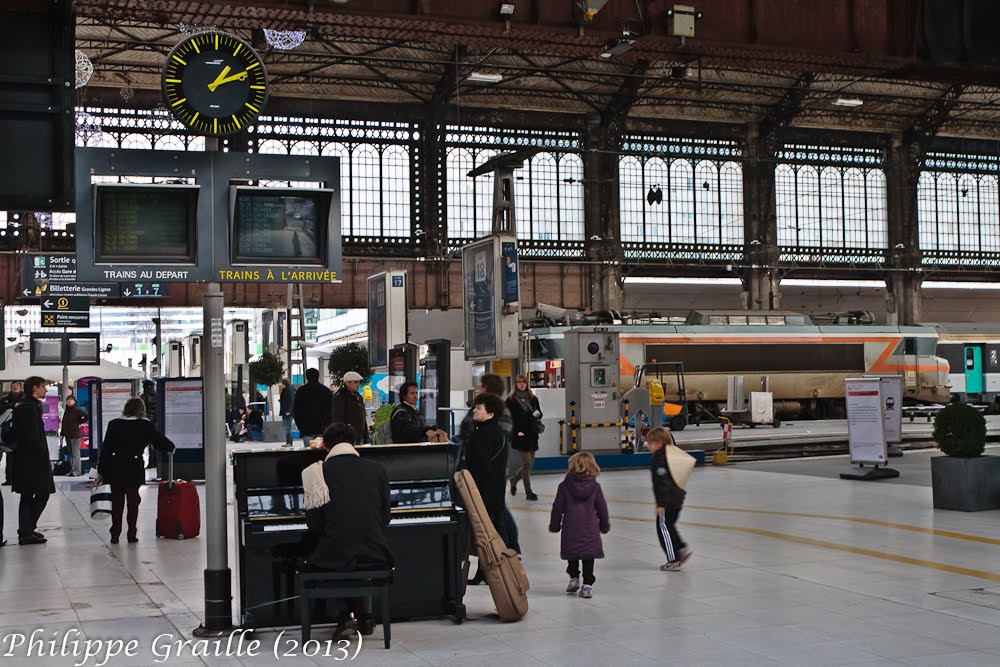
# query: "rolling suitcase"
(503, 570)
(178, 512)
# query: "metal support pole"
(64, 388)
(218, 577)
(572, 428)
(159, 344)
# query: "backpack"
(8, 436)
(382, 424)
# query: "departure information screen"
(153, 223)
(280, 226)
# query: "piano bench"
(333, 585)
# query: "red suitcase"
(178, 511)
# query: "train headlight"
(815, 393)
(701, 395)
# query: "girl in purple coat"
(582, 514)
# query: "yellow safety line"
(989, 576)
(953, 569)
(831, 517)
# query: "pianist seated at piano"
(407, 424)
(347, 512)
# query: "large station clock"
(214, 83)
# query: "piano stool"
(333, 585)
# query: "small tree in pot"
(267, 370)
(964, 479)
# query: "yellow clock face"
(214, 83)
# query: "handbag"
(100, 502)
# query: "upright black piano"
(426, 534)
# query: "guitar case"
(503, 570)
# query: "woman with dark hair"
(525, 413)
(121, 463)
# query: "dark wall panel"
(36, 106)
(761, 357)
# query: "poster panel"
(480, 304)
(865, 423)
(378, 332)
(183, 413)
(113, 397)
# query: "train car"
(802, 364)
(972, 350)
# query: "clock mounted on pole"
(214, 83)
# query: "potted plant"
(963, 479)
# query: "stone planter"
(966, 485)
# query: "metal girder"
(781, 114)
(614, 114)
(447, 84)
(936, 115)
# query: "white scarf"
(317, 493)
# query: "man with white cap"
(348, 407)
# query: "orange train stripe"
(754, 339)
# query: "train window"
(775, 319)
(909, 346)
(718, 319)
(993, 357)
(756, 320)
(970, 359)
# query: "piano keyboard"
(281, 527)
(440, 518)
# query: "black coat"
(121, 452)
(312, 408)
(32, 471)
(351, 528)
(665, 490)
(349, 408)
(524, 422)
(72, 418)
(407, 424)
(286, 401)
(486, 459)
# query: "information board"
(113, 395)
(145, 223)
(865, 423)
(280, 226)
(183, 414)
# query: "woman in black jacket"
(525, 413)
(121, 463)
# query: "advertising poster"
(479, 289)
(378, 343)
(183, 418)
(508, 251)
(865, 423)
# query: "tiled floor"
(792, 578)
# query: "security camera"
(552, 312)
(20, 331)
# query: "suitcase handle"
(170, 470)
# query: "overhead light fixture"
(506, 8)
(483, 77)
(619, 44)
(847, 102)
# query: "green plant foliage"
(268, 370)
(350, 357)
(960, 431)
(380, 424)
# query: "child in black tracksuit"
(669, 500)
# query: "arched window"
(395, 192)
(674, 200)
(825, 205)
(366, 190)
(548, 196)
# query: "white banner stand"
(866, 429)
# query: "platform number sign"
(480, 267)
